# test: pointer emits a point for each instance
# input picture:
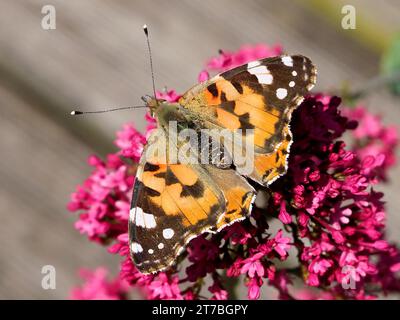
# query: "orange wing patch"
(228, 120)
(269, 167)
(177, 189)
(239, 201)
(239, 105)
(239, 195)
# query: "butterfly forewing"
(260, 95)
(173, 203)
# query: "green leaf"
(391, 65)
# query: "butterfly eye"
(147, 99)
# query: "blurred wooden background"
(96, 58)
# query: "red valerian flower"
(329, 218)
(101, 198)
(228, 60)
(164, 287)
(98, 287)
(281, 244)
(374, 142)
(217, 290)
(131, 142)
(252, 266)
(254, 284)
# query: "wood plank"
(97, 57)
(40, 165)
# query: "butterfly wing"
(260, 95)
(173, 203)
(269, 167)
(239, 195)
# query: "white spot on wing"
(281, 93)
(149, 220)
(132, 214)
(262, 73)
(160, 245)
(143, 219)
(259, 70)
(136, 247)
(291, 84)
(168, 233)
(139, 218)
(253, 64)
(294, 73)
(150, 251)
(265, 78)
(287, 61)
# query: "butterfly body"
(181, 194)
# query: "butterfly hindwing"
(239, 195)
(269, 167)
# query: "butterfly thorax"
(167, 112)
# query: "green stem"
(373, 84)
(230, 284)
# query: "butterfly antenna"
(146, 32)
(77, 112)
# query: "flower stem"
(230, 284)
(372, 84)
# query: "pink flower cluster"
(228, 60)
(98, 287)
(336, 219)
(372, 138)
(328, 215)
(104, 198)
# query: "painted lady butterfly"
(174, 202)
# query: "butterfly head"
(152, 103)
(165, 111)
